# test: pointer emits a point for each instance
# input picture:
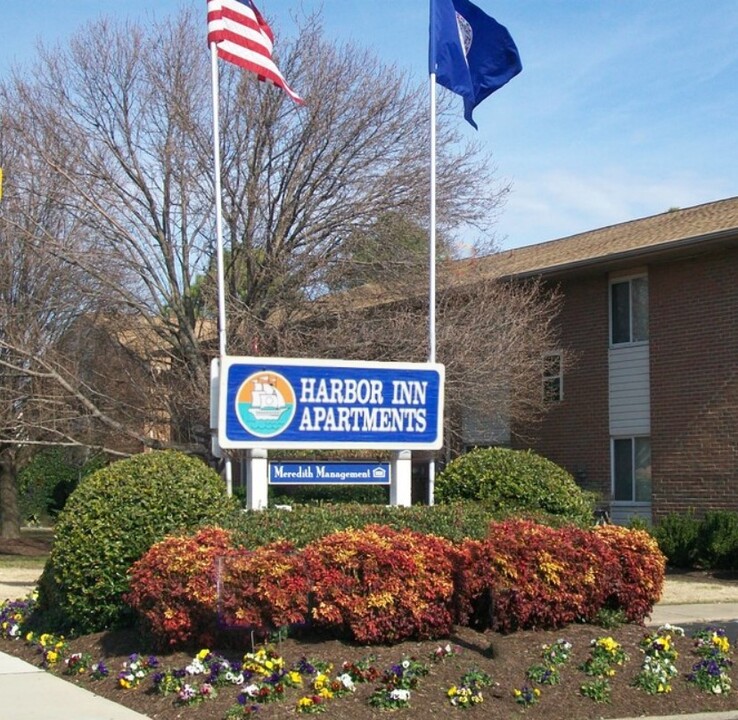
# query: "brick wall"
(575, 433)
(694, 384)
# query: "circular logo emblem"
(265, 403)
(466, 34)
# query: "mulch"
(504, 657)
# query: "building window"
(629, 310)
(553, 377)
(631, 469)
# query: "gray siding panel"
(630, 390)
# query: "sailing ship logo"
(265, 403)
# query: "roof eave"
(613, 261)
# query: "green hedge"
(710, 542)
(306, 523)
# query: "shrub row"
(456, 521)
(710, 542)
(379, 585)
(117, 513)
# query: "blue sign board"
(329, 473)
(296, 403)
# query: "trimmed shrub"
(717, 541)
(677, 535)
(306, 524)
(333, 494)
(638, 582)
(380, 585)
(174, 588)
(510, 482)
(192, 591)
(527, 575)
(113, 517)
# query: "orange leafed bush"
(265, 589)
(174, 587)
(638, 580)
(381, 585)
(191, 590)
(525, 575)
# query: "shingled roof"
(666, 234)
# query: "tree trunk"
(9, 512)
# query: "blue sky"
(624, 108)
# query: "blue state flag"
(470, 52)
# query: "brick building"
(643, 388)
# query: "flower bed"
(312, 675)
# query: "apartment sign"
(296, 403)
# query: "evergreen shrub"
(45, 483)
(717, 541)
(111, 519)
(677, 535)
(305, 524)
(510, 482)
(333, 494)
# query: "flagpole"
(432, 238)
(432, 269)
(218, 202)
(222, 344)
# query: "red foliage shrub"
(190, 590)
(525, 575)
(174, 587)
(265, 589)
(381, 585)
(637, 580)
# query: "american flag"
(244, 38)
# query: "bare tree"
(120, 121)
(41, 298)
(491, 336)
(117, 123)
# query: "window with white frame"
(553, 377)
(629, 310)
(631, 469)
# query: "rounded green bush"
(510, 482)
(111, 519)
